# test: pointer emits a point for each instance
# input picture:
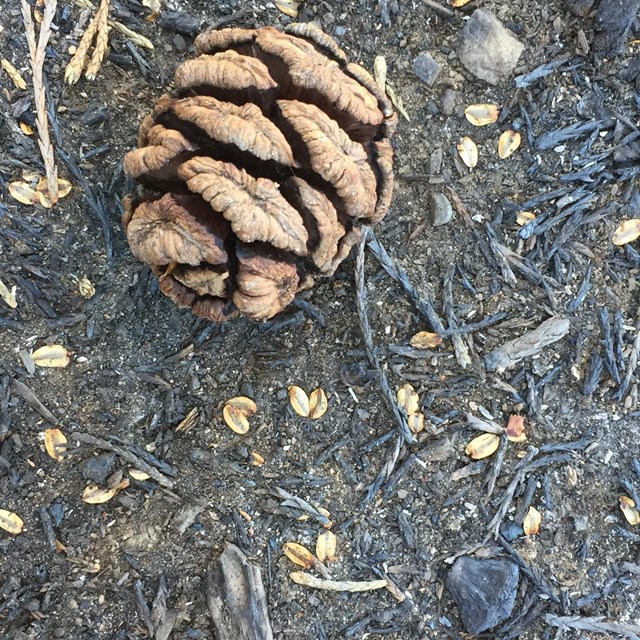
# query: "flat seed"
(416, 422)
(299, 401)
(408, 399)
(425, 340)
(480, 115)
(235, 419)
(531, 522)
(54, 441)
(629, 510)
(515, 429)
(318, 404)
(380, 71)
(244, 404)
(627, 232)
(508, 142)
(468, 152)
(93, 494)
(138, 475)
(298, 554)
(483, 446)
(326, 546)
(11, 522)
(51, 355)
(288, 7)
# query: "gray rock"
(98, 469)
(448, 101)
(488, 50)
(426, 68)
(484, 590)
(441, 209)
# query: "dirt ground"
(139, 365)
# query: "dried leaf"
(51, 355)
(515, 429)
(299, 401)
(480, 115)
(189, 421)
(483, 446)
(468, 152)
(627, 232)
(93, 494)
(87, 290)
(8, 296)
(425, 340)
(288, 7)
(54, 441)
(138, 475)
(235, 419)
(397, 103)
(243, 404)
(524, 217)
(416, 422)
(14, 74)
(509, 141)
(531, 522)
(629, 510)
(298, 554)
(380, 71)
(326, 546)
(408, 399)
(11, 522)
(318, 404)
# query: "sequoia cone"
(263, 162)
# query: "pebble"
(448, 101)
(441, 209)
(340, 31)
(97, 469)
(488, 50)
(426, 68)
(484, 590)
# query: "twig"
(36, 56)
(125, 454)
(308, 580)
(445, 11)
(595, 624)
(361, 303)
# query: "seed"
(425, 340)
(480, 115)
(627, 232)
(93, 494)
(468, 152)
(408, 399)
(54, 440)
(51, 355)
(298, 554)
(11, 522)
(299, 401)
(235, 419)
(416, 422)
(326, 546)
(483, 446)
(318, 404)
(531, 522)
(509, 141)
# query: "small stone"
(435, 161)
(98, 469)
(488, 50)
(426, 68)
(448, 101)
(340, 31)
(484, 590)
(441, 209)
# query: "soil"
(139, 365)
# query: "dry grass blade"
(14, 74)
(102, 41)
(306, 579)
(36, 55)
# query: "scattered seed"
(25, 128)
(87, 290)
(459, 3)
(298, 554)
(11, 522)
(54, 441)
(531, 522)
(8, 296)
(288, 7)
(408, 398)
(572, 476)
(425, 340)
(138, 475)
(468, 152)
(416, 422)
(51, 355)
(326, 546)
(299, 401)
(380, 71)
(627, 232)
(524, 217)
(93, 494)
(508, 143)
(629, 510)
(256, 459)
(235, 419)
(480, 115)
(318, 404)
(483, 446)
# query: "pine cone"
(265, 159)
